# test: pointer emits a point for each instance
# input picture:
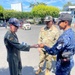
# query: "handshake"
(37, 46)
(41, 45)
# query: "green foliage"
(28, 15)
(1, 9)
(1, 12)
(39, 10)
(43, 10)
(53, 11)
(8, 13)
(36, 4)
(11, 13)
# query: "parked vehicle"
(1, 23)
(26, 26)
(31, 21)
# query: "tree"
(20, 15)
(8, 14)
(43, 10)
(1, 9)
(40, 11)
(1, 12)
(35, 4)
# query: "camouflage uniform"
(48, 37)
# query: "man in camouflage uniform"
(48, 35)
(14, 47)
(64, 48)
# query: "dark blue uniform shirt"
(65, 43)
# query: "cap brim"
(58, 20)
(18, 25)
(46, 20)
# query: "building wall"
(16, 6)
(70, 10)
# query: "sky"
(26, 3)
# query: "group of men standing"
(51, 46)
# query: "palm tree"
(35, 4)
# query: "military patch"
(59, 46)
(11, 38)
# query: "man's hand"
(34, 46)
(41, 45)
(37, 45)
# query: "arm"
(22, 47)
(60, 45)
(18, 46)
(12, 40)
(52, 51)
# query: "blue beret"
(14, 21)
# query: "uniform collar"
(50, 29)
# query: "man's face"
(62, 25)
(49, 23)
(13, 28)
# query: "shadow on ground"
(4, 71)
(27, 70)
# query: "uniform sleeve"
(59, 46)
(17, 45)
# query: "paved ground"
(30, 59)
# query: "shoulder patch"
(11, 38)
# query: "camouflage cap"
(48, 18)
(14, 21)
